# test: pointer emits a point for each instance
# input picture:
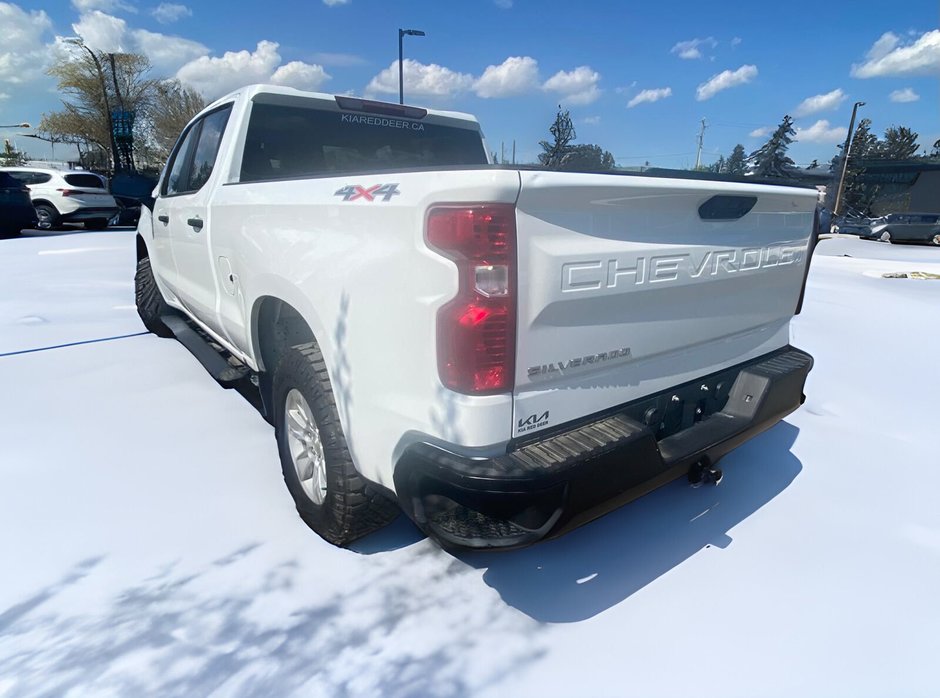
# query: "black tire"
(96, 224)
(150, 304)
(48, 217)
(351, 507)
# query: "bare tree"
(98, 88)
(174, 106)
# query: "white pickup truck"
(502, 353)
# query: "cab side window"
(194, 157)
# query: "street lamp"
(845, 158)
(22, 125)
(401, 70)
(77, 41)
(52, 140)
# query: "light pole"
(845, 159)
(52, 140)
(21, 125)
(77, 41)
(401, 70)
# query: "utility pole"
(845, 159)
(701, 141)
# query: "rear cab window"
(304, 139)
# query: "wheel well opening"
(279, 327)
(141, 248)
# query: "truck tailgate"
(631, 285)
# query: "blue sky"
(637, 77)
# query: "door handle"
(163, 218)
(196, 223)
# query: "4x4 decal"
(353, 192)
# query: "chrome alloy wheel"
(306, 448)
(44, 220)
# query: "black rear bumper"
(541, 488)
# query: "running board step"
(216, 364)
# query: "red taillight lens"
(476, 331)
(68, 192)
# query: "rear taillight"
(68, 192)
(476, 331)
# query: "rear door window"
(294, 141)
(194, 157)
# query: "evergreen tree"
(736, 163)
(587, 158)
(11, 157)
(936, 149)
(900, 143)
(771, 159)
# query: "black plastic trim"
(562, 480)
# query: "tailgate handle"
(723, 207)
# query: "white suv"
(67, 196)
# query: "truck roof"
(249, 92)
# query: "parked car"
(852, 226)
(16, 208)
(130, 190)
(923, 228)
(67, 196)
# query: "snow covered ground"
(149, 547)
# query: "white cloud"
(214, 77)
(691, 49)
(822, 132)
(303, 76)
(334, 3)
(169, 12)
(578, 86)
(905, 95)
(761, 132)
(106, 5)
(818, 103)
(888, 56)
(23, 56)
(422, 80)
(653, 95)
(103, 32)
(591, 120)
(514, 76)
(167, 53)
(725, 80)
(3, 96)
(736, 41)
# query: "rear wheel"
(331, 496)
(936, 239)
(150, 304)
(47, 216)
